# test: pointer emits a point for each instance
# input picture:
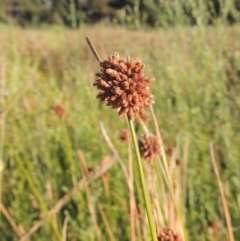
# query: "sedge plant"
(123, 86)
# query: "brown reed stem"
(223, 198)
(161, 144)
(7, 215)
(2, 126)
(185, 173)
(83, 166)
(114, 150)
(105, 220)
(64, 230)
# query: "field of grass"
(52, 127)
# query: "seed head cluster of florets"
(123, 85)
(149, 146)
(167, 234)
(59, 111)
(125, 136)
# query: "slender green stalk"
(143, 182)
(73, 14)
(35, 190)
(167, 177)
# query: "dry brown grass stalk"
(114, 150)
(50, 197)
(2, 125)
(2, 83)
(105, 179)
(185, 173)
(223, 198)
(153, 191)
(105, 220)
(18, 230)
(163, 154)
(64, 230)
(83, 166)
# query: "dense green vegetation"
(197, 88)
(131, 13)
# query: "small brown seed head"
(149, 146)
(59, 111)
(167, 234)
(125, 136)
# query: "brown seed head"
(149, 146)
(90, 169)
(170, 151)
(105, 176)
(59, 111)
(125, 136)
(167, 234)
(179, 162)
(123, 86)
(214, 225)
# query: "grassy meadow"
(53, 129)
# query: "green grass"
(196, 92)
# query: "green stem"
(35, 190)
(143, 182)
(73, 14)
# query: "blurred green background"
(135, 14)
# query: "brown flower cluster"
(123, 86)
(105, 176)
(215, 226)
(167, 234)
(125, 136)
(149, 146)
(59, 111)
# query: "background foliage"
(197, 101)
(130, 13)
